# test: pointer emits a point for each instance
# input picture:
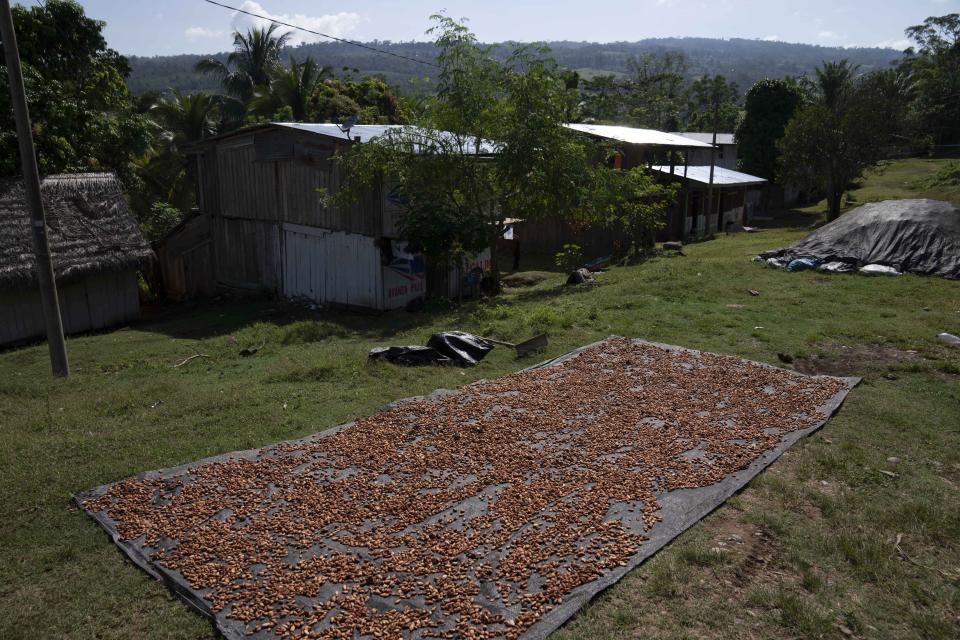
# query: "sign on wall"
(404, 275)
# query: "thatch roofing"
(90, 229)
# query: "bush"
(159, 221)
(145, 290)
(947, 176)
(541, 319)
(569, 258)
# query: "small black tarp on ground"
(445, 347)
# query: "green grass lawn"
(808, 550)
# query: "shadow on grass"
(795, 218)
(543, 294)
(205, 319)
(220, 317)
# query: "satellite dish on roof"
(346, 126)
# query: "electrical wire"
(323, 35)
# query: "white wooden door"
(331, 267)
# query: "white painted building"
(726, 153)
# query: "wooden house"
(265, 225)
(635, 148)
(710, 201)
(97, 249)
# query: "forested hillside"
(742, 61)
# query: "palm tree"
(183, 118)
(290, 88)
(255, 55)
(833, 80)
(188, 117)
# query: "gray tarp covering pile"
(497, 510)
(919, 236)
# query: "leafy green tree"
(159, 219)
(712, 101)
(370, 98)
(890, 92)
(83, 116)
(491, 144)
(290, 87)
(656, 90)
(603, 99)
(769, 106)
(572, 80)
(933, 72)
(842, 131)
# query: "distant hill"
(742, 61)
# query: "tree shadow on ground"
(203, 319)
(225, 315)
(794, 218)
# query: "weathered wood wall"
(186, 260)
(96, 302)
(239, 183)
(254, 183)
(267, 193)
(247, 253)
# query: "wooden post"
(720, 211)
(713, 156)
(31, 184)
(686, 195)
(743, 211)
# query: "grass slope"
(808, 550)
(897, 180)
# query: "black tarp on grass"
(918, 236)
(679, 510)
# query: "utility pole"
(31, 184)
(686, 195)
(713, 157)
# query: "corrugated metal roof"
(369, 132)
(722, 138)
(721, 176)
(632, 135)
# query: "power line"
(323, 35)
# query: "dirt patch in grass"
(751, 548)
(524, 279)
(846, 360)
(948, 374)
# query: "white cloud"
(827, 35)
(201, 33)
(899, 44)
(771, 38)
(335, 24)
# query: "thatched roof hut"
(97, 249)
(90, 229)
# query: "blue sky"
(162, 27)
